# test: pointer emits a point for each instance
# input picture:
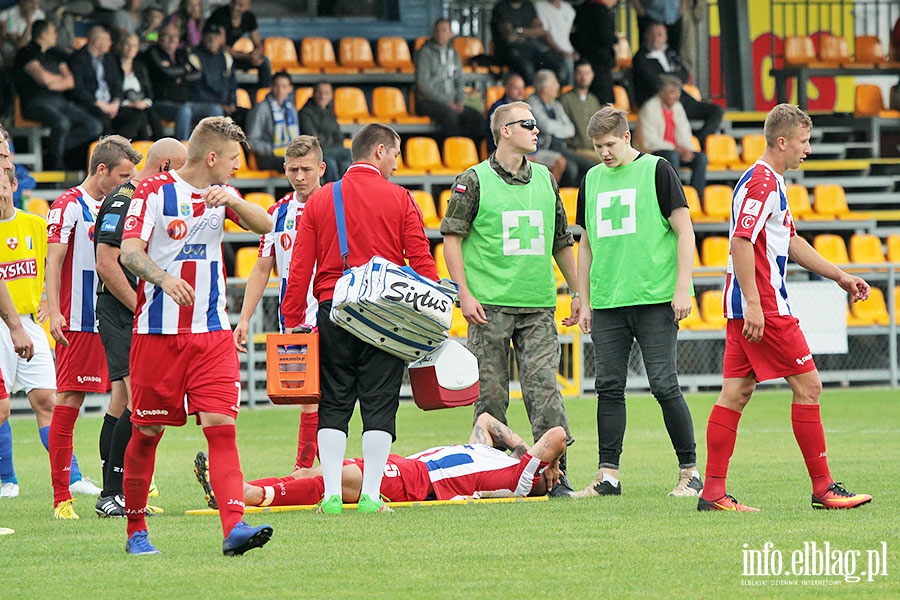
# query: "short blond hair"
(211, 134)
(110, 151)
(304, 145)
(608, 119)
(782, 121)
(501, 117)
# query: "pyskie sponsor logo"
(88, 379)
(400, 291)
(813, 563)
(27, 267)
(804, 359)
(192, 252)
(153, 412)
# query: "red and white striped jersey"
(71, 221)
(286, 214)
(184, 238)
(463, 470)
(760, 213)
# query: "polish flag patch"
(461, 188)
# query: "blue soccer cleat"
(139, 543)
(243, 538)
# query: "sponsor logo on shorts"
(804, 359)
(192, 252)
(88, 379)
(151, 413)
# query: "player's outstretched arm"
(491, 432)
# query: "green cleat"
(367, 505)
(332, 506)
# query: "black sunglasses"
(528, 124)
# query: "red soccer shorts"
(404, 480)
(81, 366)
(782, 351)
(166, 368)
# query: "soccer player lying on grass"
(478, 469)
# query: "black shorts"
(115, 323)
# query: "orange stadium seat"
(491, 95)
(356, 53)
(832, 248)
(752, 147)
(388, 104)
(317, 53)
(423, 153)
(301, 95)
(38, 206)
(246, 171)
(468, 47)
(896, 304)
(693, 91)
(243, 99)
(621, 100)
(459, 327)
(717, 202)
(350, 106)
(262, 199)
(282, 54)
(420, 41)
(245, 45)
(393, 54)
(694, 207)
(460, 153)
(142, 146)
(261, 94)
(799, 50)
(426, 205)
(623, 54)
(868, 52)
(869, 102)
(569, 197)
(833, 51)
(79, 42)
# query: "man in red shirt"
(382, 219)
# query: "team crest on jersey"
(286, 242)
(289, 224)
(29, 242)
(12, 243)
(185, 210)
(177, 229)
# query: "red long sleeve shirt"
(382, 220)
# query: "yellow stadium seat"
(142, 146)
(261, 94)
(282, 54)
(866, 248)
(441, 262)
(317, 53)
(717, 202)
(569, 197)
(622, 102)
(246, 171)
(356, 53)
(832, 248)
(443, 201)
(420, 41)
(798, 202)
(714, 251)
(799, 50)
(423, 153)
(694, 321)
(694, 207)
(491, 95)
(722, 152)
(893, 248)
(752, 147)
(693, 91)
(405, 170)
(468, 47)
(245, 45)
(243, 99)
(38, 206)
(388, 104)
(829, 200)
(872, 311)
(302, 95)
(350, 106)
(460, 153)
(393, 54)
(262, 199)
(426, 205)
(711, 309)
(697, 262)
(897, 304)
(244, 259)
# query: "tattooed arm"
(134, 257)
(491, 432)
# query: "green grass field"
(640, 545)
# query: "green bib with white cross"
(633, 245)
(508, 253)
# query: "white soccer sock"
(611, 479)
(376, 445)
(332, 447)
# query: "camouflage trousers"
(532, 332)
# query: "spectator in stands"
(137, 91)
(317, 118)
(174, 76)
(664, 130)
(151, 26)
(557, 18)
(655, 58)
(594, 38)
(555, 126)
(189, 21)
(42, 77)
(218, 83)
(515, 92)
(15, 27)
(98, 86)
(667, 12)
(694, 17)
(238, 21)
(63, 16)
(521, 43)
(580, 104)
(273, 123)
(440, 91)
(128, 19)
